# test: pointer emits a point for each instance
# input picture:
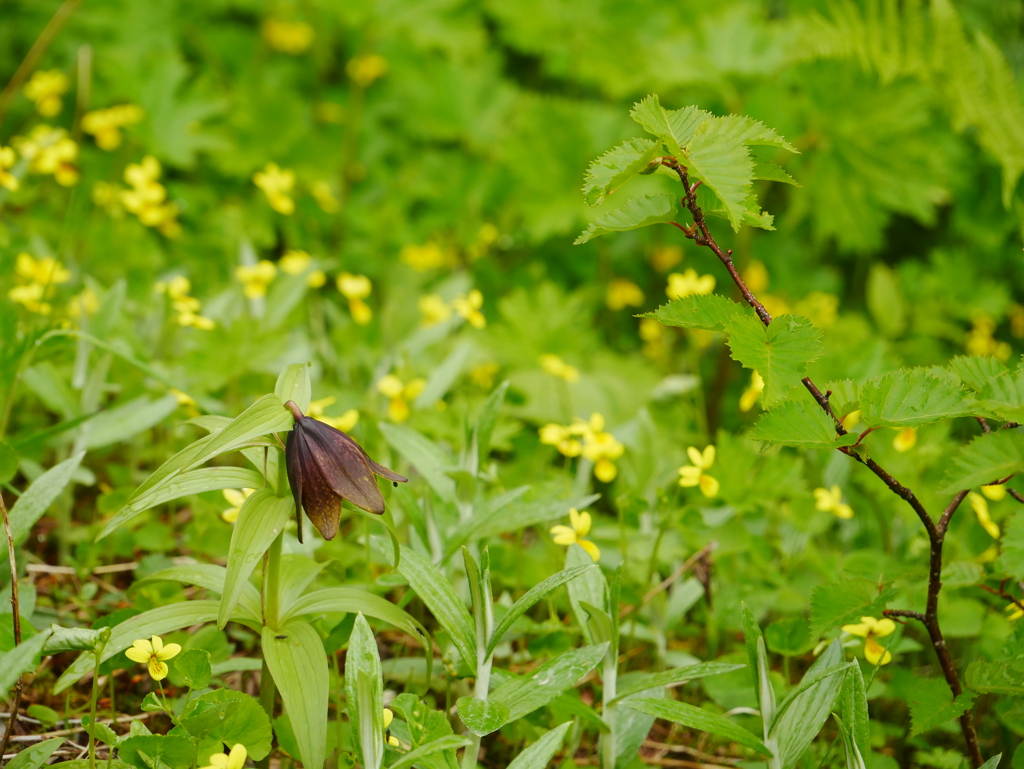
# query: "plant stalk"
(16, 621)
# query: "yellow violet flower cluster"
(574, 533)
(980, 339)
(298, 263)
(555, 366)
(105, 124)
(236, 498)
(356, 288)
(345, 422)
(366, 68)
(291, 37)
(980, 507)
(428, 256)
(830, 501)
(277, 184)
(687, 283)
(255, 278)
(468, 307)
(50, 151)
(694, 474)
(623, 293)
(434, 309)
(154, 654)
(399, 394)
(37, 276)
(753, 392)
(586, 438)
(8, 158)
(187, 307)
(388, 718)
(869, 629)
(147, 198)
(45, 89)
(233, 760)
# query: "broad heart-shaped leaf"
(434, 589)
(641, 682)
(976, 371)
(20, 659)
(713, 312)
(293, 385)
(158, 621)
(540, 753)
(534, 594)
(262, 518)
(911, 397)
(986, 459)
(364, 690)
(35, 756)
(211, 577)
(800, 423)
(526, 694)
(40, 495)
(844, 602)
(266, 415)
(154, 750)
(636, 213)
(351, 600)
(674, 127)
(194, 668)
(779, 352)
(617, 166)
(689, 715)
(295, 657)
(932, 704)
(481, 717)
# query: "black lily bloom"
(326, 467)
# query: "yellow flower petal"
(875, 653)
(563, 535)
(388, 717)
(689, 476)
(236, 759)
(995, 492)
(157, 669)
(581, 523)
(605, 470)
(696, 459)
(861, 629)
(137, 655)
(592, 550)
(709, 486)
(168, 652)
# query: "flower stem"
(92, 708)
(271, 586)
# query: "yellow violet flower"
(830, 501)
(905, 439)
(623, 293)
(277, 184)
(694, 475)
(256, 277)
(555, 366)
(851, 420)
(154, 654)
(233, 760)
(574, 533)
(298, 262)
(562, 438)
(30, 297)
(434, 309)
(236, 499)
(365, 69)
(665, 258)
(50, 151)
(356, 288)
(752, 394)
(980, 506)
(468, 307)
(105, 124)
(146, 197)
(45, 89)
(1014, 612)
(7, 161)
(996, 492)
(869, 629)
(602, 449)
(388, 718)
(84, 304)
(291, 37)
(400, 394)
(426, 257)
(687, 283)
(345, 422)
(45, 270)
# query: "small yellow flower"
(468, 307)
(602, 449)
(45, 270)
(233, 760)
(183, 398)
(50, 151)
(694, 475)
(299, 262)
(687, 283)
(365, 69)
(356, 288)
(434, 309)
(399, 395)
(256, 277)
(752, 394)
(30, 297)
(236, 499)
(324, 197)
(830, 501)
(45, 89)
(820, 308)
(562, 438)
(555, 366)
(905, 439)
(388, 718)
(756, 277)
(429, 256)
(7, 161)
(996, 492)
(483, 375)
(665, 258)
(851, 420)
(106, 124)
(869, 629)
(623, 293)
(1014, 612)
(277, 184)
(345, 422)
(154, 654)
(574, 533)
(980, 506)
(146, 198)
(981, 339)
(291, 37)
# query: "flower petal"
(592, 550)
(158, 644)
(875, 653)
(137, 655)
(861, 629)
(563, 535)
(582, 524)
(708, 458)
(236, 759)
(709, 486)
(157, 669)
(695, 456)
(169, 651)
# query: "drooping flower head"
(325, 467)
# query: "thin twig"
(16, 619)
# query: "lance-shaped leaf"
(689, 715)
(351, 600)
(643, 681)
(40, 495)
(293, 385)
(211, 577)
(540, 753)
(21, 659)
(617, 166)
(911, 397)
(364, 690)
(638, 212)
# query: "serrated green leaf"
(932, 704)
(986, 459)
(841, 603)
(614, 168)
(636, 213)
(1003, 396)
(714, 156)
(995, 677)
(911, 397)
(1011, 547)
(779, 352)
(526, 694)
(976, 371)
(713, 312)
(675, 127)
(770, 172)
(800, 423)
(693, 717)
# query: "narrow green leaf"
(614, 168)
(779, 352)
(854, 756)
(697, 718)
(34, 756)
(986, 459)
(526, 694)
(39, 496)
(211, 577)
(487, 421)
(644, 681)
(21, 659)
(127, 420)
(636, 213)
(293, 385)
(364, 690)
(193, 482)
(350, 600)
(540, 753)
(424, 455)
(911, 397)
(713, 312)
(799, 423)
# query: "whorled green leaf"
(802, 424)
(693, 717)
(910, 398)
(614, 168)
(35, 500)
(779, 352)
(713, 312)
(197, 481)
(636, 213)
(986, 459)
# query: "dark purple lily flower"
(325, 467)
